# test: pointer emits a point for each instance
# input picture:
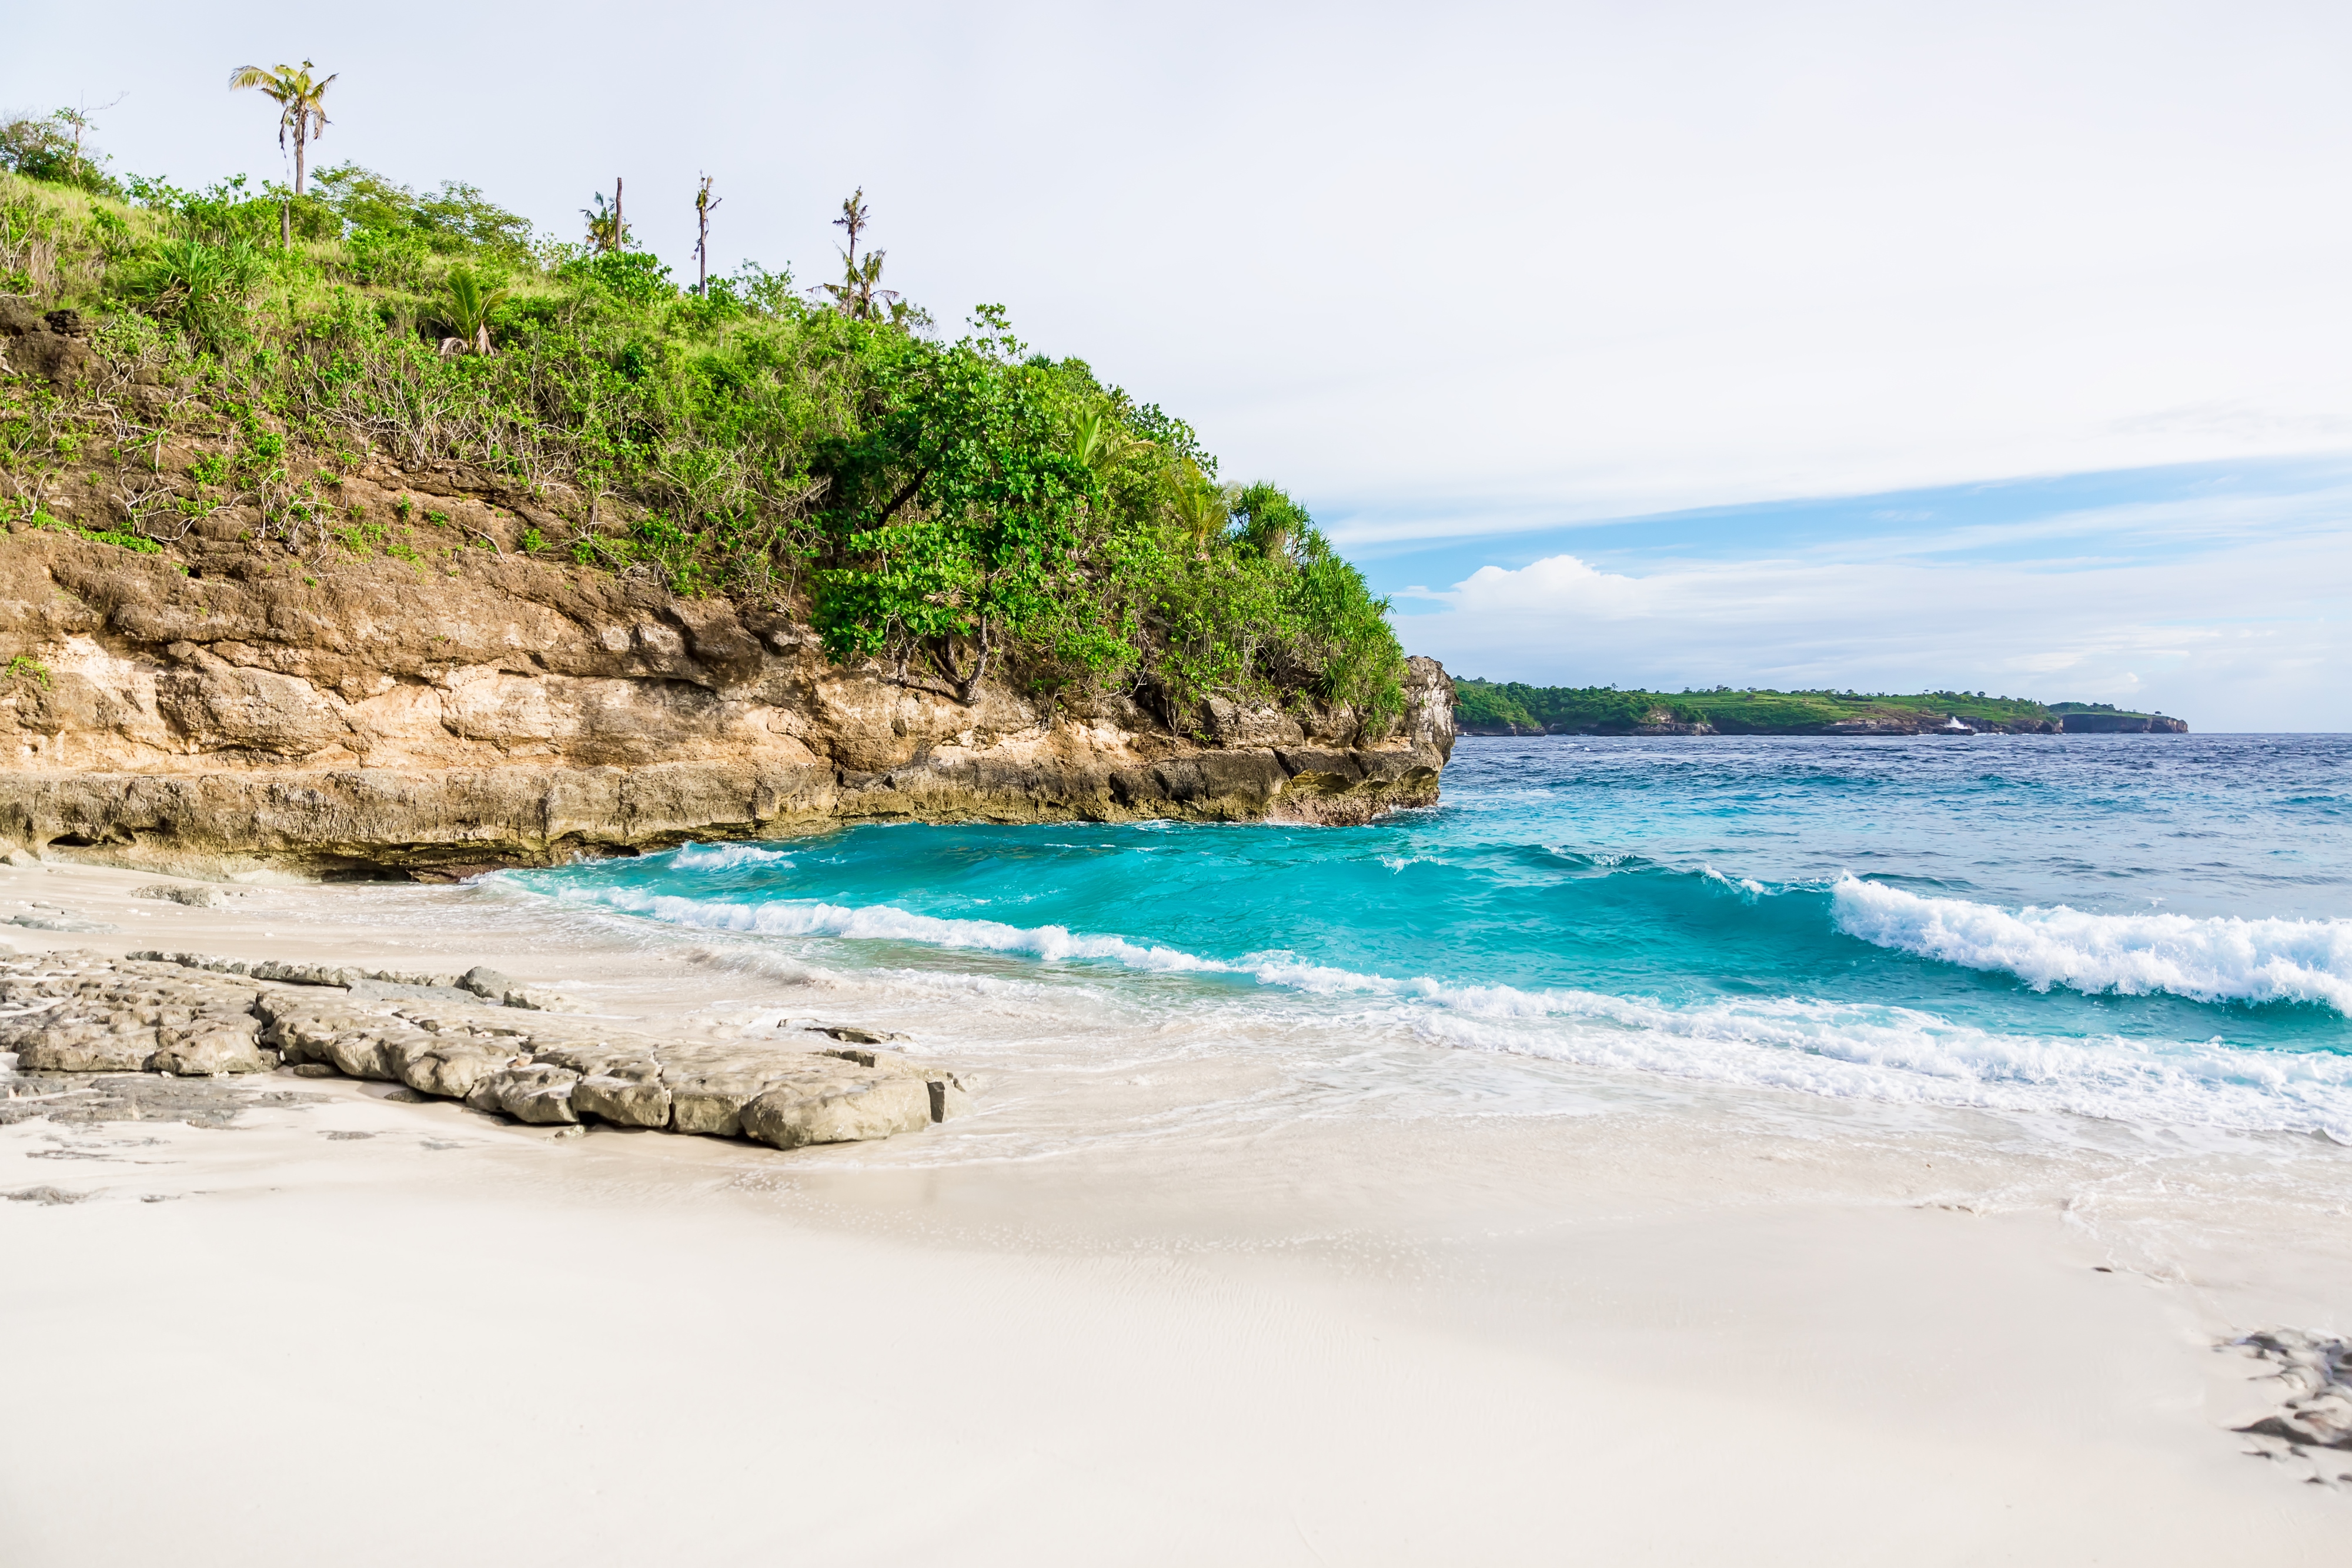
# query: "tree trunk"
(968, 687)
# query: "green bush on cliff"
(956, 508)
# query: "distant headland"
(1508, 708)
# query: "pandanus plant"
(203, 287)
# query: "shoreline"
(1145, 1303)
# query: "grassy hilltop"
(960, 509)
(1489, 708)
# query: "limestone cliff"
(456, 705)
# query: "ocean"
(2150, 930)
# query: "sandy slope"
(1696, 1327)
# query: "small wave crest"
(2216, 960)
(727, 857)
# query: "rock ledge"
(482, 1038)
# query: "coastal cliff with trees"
(1508, 708)
(364, 529)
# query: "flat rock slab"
(445, 1038)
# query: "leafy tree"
(456, 219)
(49, 147)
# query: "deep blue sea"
(2156, 929)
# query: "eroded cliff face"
(464, 705)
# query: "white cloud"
(1563, 260)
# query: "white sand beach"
(1156, 1301)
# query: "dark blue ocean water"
(2157, 928)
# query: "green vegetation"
(2062, 708)
(956, 508)
(1498, 708)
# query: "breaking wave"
(1900, 1054)
(2213, 959)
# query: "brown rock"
(826, 1110)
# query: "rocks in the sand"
(178, 1013)
(89, 1100)
(836, 1109)
(2317, 1372)
(507, 991)
(207, 1048)
(203, 897)
(60, 920)
(533, 1094)
(850, 1034)
(77, 1013)
(455, 1068)
(485, 981)
(45, 1196)
(480, 982)
(628, 1094)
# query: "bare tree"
(704, 204)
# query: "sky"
(1887, 346)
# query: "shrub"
(203, 288)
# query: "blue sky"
(1870, 344)
(2201, 589)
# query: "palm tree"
(861, 281)
(1102, 442)
(468, 307)
(301, 112)
(1203, 510)
(607, 230)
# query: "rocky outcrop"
(2122, 724)
(450, 1038)
(424, 698)
(47, 346)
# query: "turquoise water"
(2149, 929)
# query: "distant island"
(1508, 708)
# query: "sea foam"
(2214, 959)
(727, 857)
